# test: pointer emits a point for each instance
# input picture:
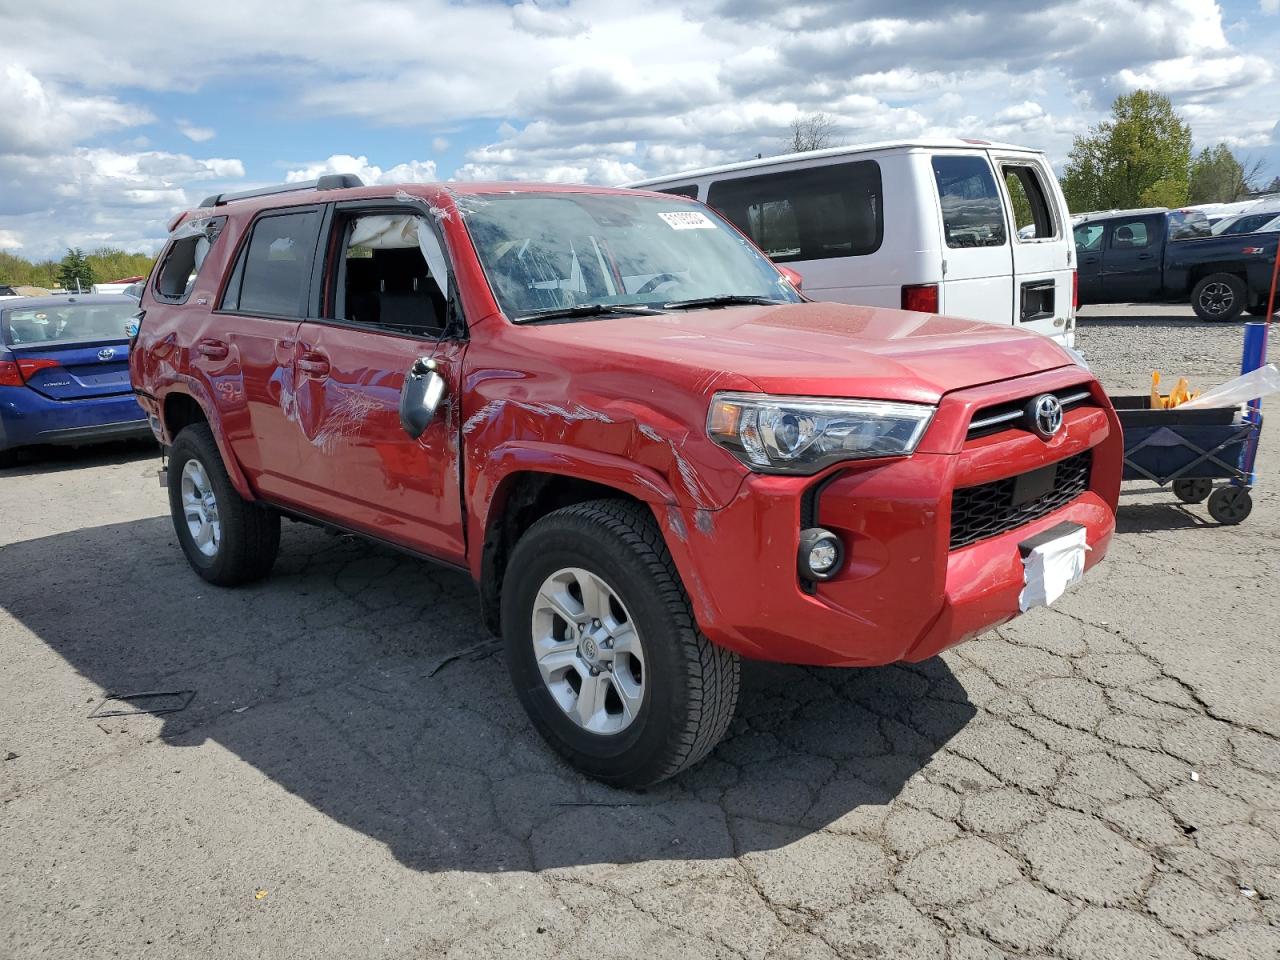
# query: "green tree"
(74, 271)
(1218, 177)
(1139, 157)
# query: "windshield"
(554, 251)
(65, 323)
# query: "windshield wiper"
(722, 300)
(587, 310)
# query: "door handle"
(213, 349)
(314, 364)
(1144, 256)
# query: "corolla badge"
(106, 353)
(1044, 415)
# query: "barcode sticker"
(688, 220)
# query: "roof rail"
(330, 181)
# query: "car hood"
(819, 349)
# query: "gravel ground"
(354, 778)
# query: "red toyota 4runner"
(651, 453)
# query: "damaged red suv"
(650, 451)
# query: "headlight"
(805, 434)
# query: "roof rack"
(330, 181)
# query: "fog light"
(820, 554)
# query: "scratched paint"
(346, 414)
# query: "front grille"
(1011, 415)
(989, 510)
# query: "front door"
(977, 263)
(1131, 262)
(1089, 238)
(385, 305)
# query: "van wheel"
(1219, 296)
(227, 539)
(603, 648)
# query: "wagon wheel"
(1230, 505)
(1190, 490)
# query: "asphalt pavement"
(354, 778)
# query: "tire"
(246, 536)
(687, 686)
(9, 458)
(1219, 297)
(1230, 505)
(1191, 490)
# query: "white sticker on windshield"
(688, 220)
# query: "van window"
(1032, 216)
(971, 208)
(275, 271)
(1130, 235)
(181, 265)
(689, 190)
(812, 214)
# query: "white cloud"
(1269, 6)
(38, 117)
(532, 18)
(414, 171)
(194, 133)
(440, 144)
(10, 240)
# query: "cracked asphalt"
(354, 778)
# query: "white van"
(922, 225)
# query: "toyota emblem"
(106, 353)
(1044, 415)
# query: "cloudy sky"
(114, 116)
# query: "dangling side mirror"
(420, 397)
(797, 281)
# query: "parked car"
(7, 292)
(651, 453)
(1260, 216)
(961, 227)
(1134, 256)
(64, 372)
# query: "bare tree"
(811, 131)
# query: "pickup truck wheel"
(227, 540)
(603, 648)
(1219, 296)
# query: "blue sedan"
(64, 372)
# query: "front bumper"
(29, 419)
(903, 593)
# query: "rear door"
(977, 265)
(386, 302)
(1131, 261)
(247, 351)
(1043, 258)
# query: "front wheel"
(1192, 490)
(603, 648)
(1220, 296)
(227, 540)
(1230, 505)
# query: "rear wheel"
(1192, 490)
(1219, 296)
(227, 539)
(603, 648)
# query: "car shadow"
(363, 682)
(33, 461)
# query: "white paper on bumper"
(1052, 567)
